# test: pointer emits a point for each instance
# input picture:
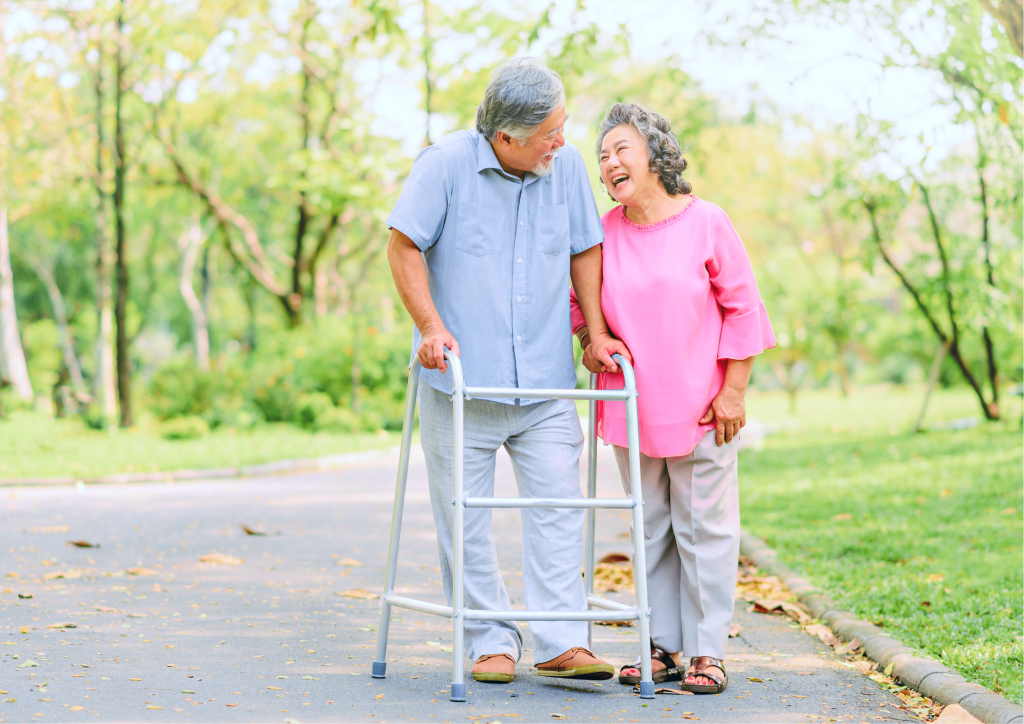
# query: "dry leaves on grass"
(221, 558)
(357, 593)
(613, 573)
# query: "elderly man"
(485, 237)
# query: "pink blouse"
(681, 294)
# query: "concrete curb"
(931, 678)
(325, 462)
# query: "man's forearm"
(586, 274)
(410, 275)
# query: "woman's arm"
(729, 408)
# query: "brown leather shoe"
(495, 668)
(577, 663)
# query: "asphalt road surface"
(269, 639)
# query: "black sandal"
(700, 665)
(669, 673)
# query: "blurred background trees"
(193, 200)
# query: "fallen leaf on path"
(250, 531)
(10, 700)
(379, 696)
(559, 716)
(154, 707)
(141, 571)
(24, 595)
(357, 593)
(70, 573)
(137, 615)
(221, 558)
(77, 708)
(823, 632)
(614, 623)
(799, 696)
(849, 647)
(888, 669)
(735, 630)
(311, 678)
(24, 629)
(863, 666)
(350, 562)
(134, 679)
(66, 624)
(666, 690)
(28, 664)
(754, 678)
(105, 609)
(187, 691)
(83, 544)
(275, 688)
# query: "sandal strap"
(700, 665)
(659, 654)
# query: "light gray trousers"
(692, 526)
(544, 441)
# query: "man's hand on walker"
(431, 352)
(729, 411)
(598, 355)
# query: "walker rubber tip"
(379, 667)
(459, 692)
(646, 689)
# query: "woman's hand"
(597, 357)
(729, 411)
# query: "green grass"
(921, 534)
(35, 445)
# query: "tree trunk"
(12, 355)
(191, 242)
(124, 382)
(105, 378)
(427, 89)
(67, 340)
(990, 352)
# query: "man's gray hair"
(520, 95)
(665, 155)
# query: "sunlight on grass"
(34, 444)
(919, 533)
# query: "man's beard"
(544, 169)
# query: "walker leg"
(639, 554)
(588, 560)
(380, 663)
(458, 692)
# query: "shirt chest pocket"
(551, 229)
(479, 228)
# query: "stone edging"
(324, 462)
(931, 678)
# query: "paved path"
(269, 640)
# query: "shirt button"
(519, 299)
(520, 260)
(518, 337)
(520, 223)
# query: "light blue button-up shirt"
(497, 252)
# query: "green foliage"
(42, 353)
(184, 428)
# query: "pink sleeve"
(746, 329)
(578, 320)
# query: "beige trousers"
(692, 527)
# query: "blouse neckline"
(660, 224)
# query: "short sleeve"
(746, 328)
(423, 204)
(585, 228)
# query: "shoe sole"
(596, 672)
(493, 678)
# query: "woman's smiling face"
(625, 167)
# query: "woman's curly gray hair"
(663, 149)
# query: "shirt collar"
(485, 157)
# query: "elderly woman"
(680, 292)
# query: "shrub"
(184, 428)
(312, 409)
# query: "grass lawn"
(34, 445)
(921, 534)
